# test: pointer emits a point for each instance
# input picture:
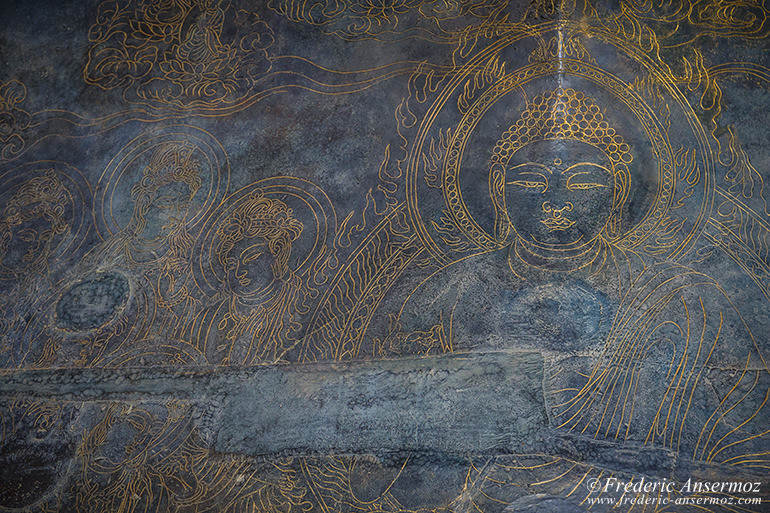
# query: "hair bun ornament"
(563, 114)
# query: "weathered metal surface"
(273, 255)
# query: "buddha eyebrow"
(532, 164)
(533, 173)
(573, 167)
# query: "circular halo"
(113, 204)
(77, 198)
(308, 203)
(675, 195)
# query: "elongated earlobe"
(280, 248)
(613, 225)
(497, 191)
(502, 227)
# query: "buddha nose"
(550, 208)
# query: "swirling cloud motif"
(746, 19)
(13, 119)
(440, 20)
(179, 53)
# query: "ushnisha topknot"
(567, 114)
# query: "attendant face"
(168, 211)
(25, 245)
(249, 266)
(128, 439)
(559, 192)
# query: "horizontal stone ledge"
(460, 403)
(471, 403)
(187, 382)
(123, 384)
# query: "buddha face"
(30, 221)
(254, 246)
(559, 192)
(249, 266)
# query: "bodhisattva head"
(30, 221)
(559, 176)
(255, 244)
(162, 197)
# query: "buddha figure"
(29, 224)
(636, 350)
(154, 457)
(138, 459)
(161, 200)
(559, 180)
(200, 34)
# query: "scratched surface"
(457, 405)
(381, 255)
